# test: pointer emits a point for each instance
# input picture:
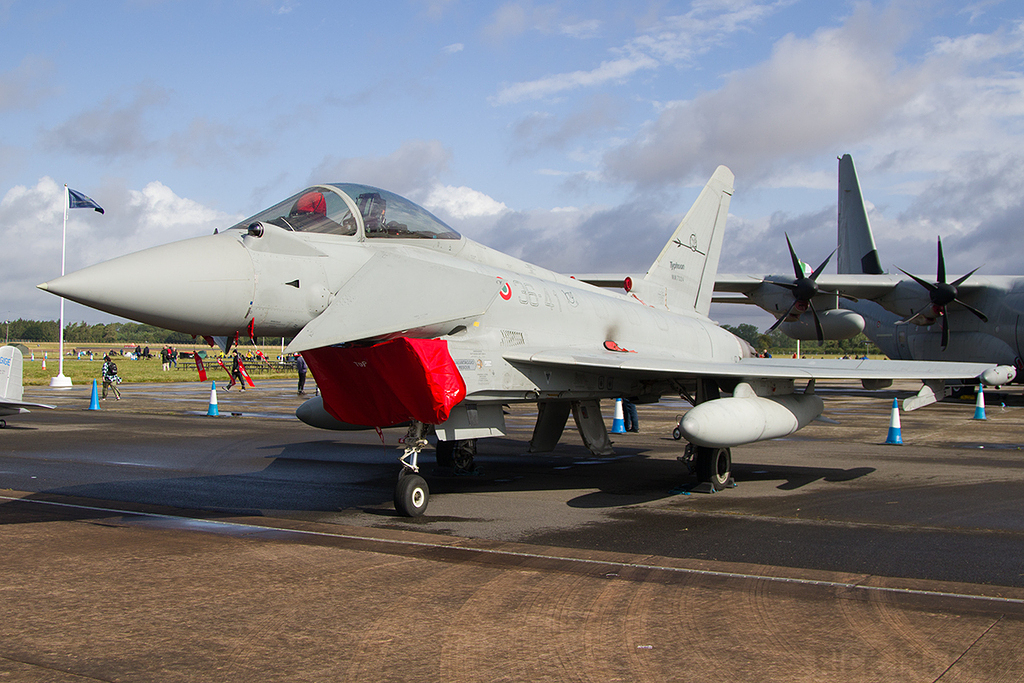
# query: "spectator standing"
(629, 416)
(300, 365)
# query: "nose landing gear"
(411, 492)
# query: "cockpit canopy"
(348, 209)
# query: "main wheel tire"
(411, 495)
(714, 465)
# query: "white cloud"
(582, 29)
(812, 94)
(453, 48)
(682, 37)
(615, 70)
(461, 203)
(979, 47)
(157, 208)
(670, 41)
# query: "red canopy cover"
(388, 383)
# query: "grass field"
(145, 370)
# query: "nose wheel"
(411, 492)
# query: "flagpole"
(60, 381)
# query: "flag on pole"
(77, 200)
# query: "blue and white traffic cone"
(618, 421)
(212, 410)
(94, 402)
(895, 436)
(979, 405)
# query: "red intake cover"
(388, 383)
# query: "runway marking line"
(917, 592)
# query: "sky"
(574, 135)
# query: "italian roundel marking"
(506, 291)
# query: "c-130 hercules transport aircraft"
(402, 319)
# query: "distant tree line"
(778, 343)
(83, 333)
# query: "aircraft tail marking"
(10, 373)
(856, 253)
(688, 264)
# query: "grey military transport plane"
(11, 389)
(975, 318)
(402, 319)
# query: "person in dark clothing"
(236, 373)
(300, 365)
(629, 416)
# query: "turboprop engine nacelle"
(835, 324)
(746, 418)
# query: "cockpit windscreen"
(386, 214)
(317, 209)
(323, 209)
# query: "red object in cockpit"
(311, 202)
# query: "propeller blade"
(972, 309)
(817, 271)
(945, 330)
(961, 280)
(941, 275)
(817, 324)
(781, 319)
(924, 283)
(797, 270)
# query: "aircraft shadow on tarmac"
(328, 475)
(796, 477)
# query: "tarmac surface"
(149, 542)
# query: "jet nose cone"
(200, 286)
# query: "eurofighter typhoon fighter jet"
(401, 319)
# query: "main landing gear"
(458, 455)
(713, 467)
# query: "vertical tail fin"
(856, 251)
(10, 373)
(688, 264)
